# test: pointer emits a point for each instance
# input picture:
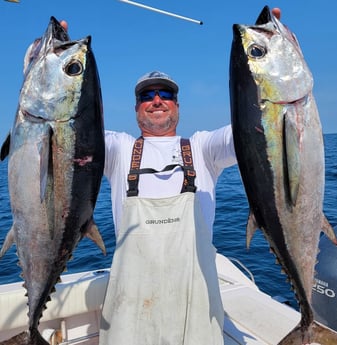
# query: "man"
(163, 287)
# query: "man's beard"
(155, 126)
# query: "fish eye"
(255, 51)
(73, 68)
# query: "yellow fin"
(251, 228)
(328, 230)
(9, 240)
(93, 233)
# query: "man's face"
(158, 116)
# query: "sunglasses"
(148, 96)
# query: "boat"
(73, 316)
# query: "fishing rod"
(161, 11)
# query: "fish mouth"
(56, 30)
(55, 33)
(264, 17)
(54, 37)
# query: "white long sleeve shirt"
(212, 152)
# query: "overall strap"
(188, 168)
(136, 158)
(135, 171)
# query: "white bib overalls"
(163, 287)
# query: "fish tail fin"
(294, 337)
(317, 333)
(9, 240)
(322, 334)
(26, 338)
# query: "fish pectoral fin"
(5, 148)
(252, 226)
(328, 230)
(9, 241)
(45, 162)
(93, 233)
(292, 157)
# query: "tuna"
(56, 160)
(279, 146)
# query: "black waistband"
(135, 171)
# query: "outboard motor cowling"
(324, 294)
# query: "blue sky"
(129, 41)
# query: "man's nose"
(157, 99)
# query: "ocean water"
(229, 229)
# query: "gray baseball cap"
(153, 78)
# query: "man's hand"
(64, 24)
(276, 12)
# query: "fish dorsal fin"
(292, 148)
(5, 147)
(252, 226)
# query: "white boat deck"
(252, 317)
(255, 318)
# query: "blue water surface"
(229, 229)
